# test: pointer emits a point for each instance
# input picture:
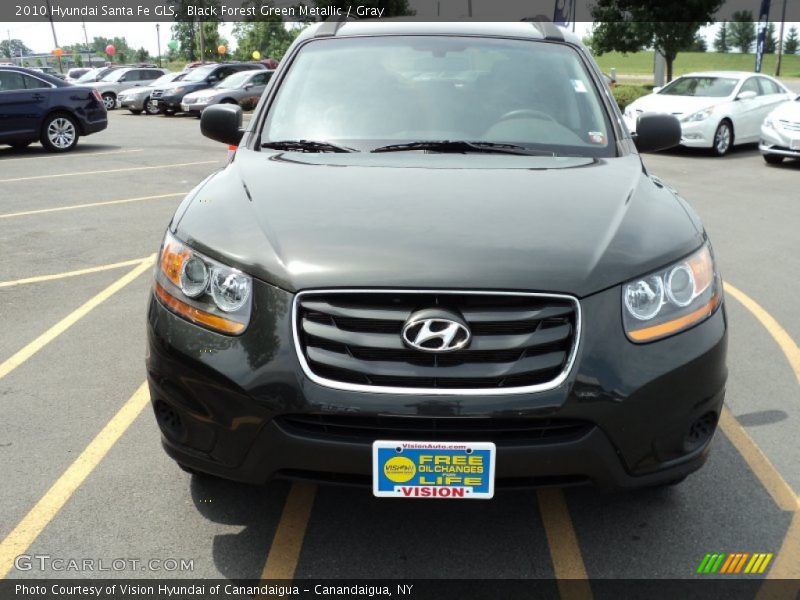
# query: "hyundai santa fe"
(436, 266)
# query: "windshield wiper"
(306, 146)
(462, 146)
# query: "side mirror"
(222, 123)
(746, 95)
(657, 89)
(655, 132)
(248, 86)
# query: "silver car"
(235, 89)
(120, 80)
(780, 133)
(137, 99)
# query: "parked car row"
(720, 109)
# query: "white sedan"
(716, 109)
(780, 133)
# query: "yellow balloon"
(222, 49)
(256, 55)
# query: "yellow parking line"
(70, 155)
(26, 532)
(48, 336)
(778, 333)
(767, 474)
(90, 205)
(40, 278)
(284, 552)
(127, 169)
(565, 552)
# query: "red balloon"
(110, 50)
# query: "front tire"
(109, 101)
(773, 159)
(59, 133)
(723, 138)
(150, 108)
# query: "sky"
(39, 37)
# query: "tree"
(721, 39)
(742, 31)
(698, 44)
(791, 43)
(123, 51)
(270, 38)
(142, 55)
(186, 30)
(630, 25)
(14, 48)
(770, 42)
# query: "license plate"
(433, 469)
(794, 144)
(154, 102)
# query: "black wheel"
(723, 139)
(773, 159)
(20, 145)
(109, 101)
(59, 133)
(151, 108)
(135, 111)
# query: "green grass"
(641, 63)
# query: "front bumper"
(193, 107)
(779, 142)
(231, 396)
(169, 102)
(132, 102)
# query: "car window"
(769, 87)
(260, 78)
(33, 83)
(751, 85)
(11, 80)
(712, 87)
(399, 89)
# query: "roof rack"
(331, 25)
(546, 28)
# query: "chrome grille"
(351, 339)
(789, 125)
(156, 93)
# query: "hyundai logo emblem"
(435, 330)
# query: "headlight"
(768, 122)
(178, 90)
(202, 99)
(700, 115)
(202, 290)
(673, 299)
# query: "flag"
(763, 20)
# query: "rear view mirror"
(656, 132)
(746, 95)
(222, 123)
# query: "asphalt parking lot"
(84, 475)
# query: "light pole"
(158, 41)
(780, 42)
(55, 39)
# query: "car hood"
(789, 111)
(570, 225)
(676, 105)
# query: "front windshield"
(712, 87)
(115, 75)
(199, 73)
(368, 92)
(88, 76)
(169, 77)
(234, 81)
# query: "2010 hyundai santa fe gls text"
(437, 266)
